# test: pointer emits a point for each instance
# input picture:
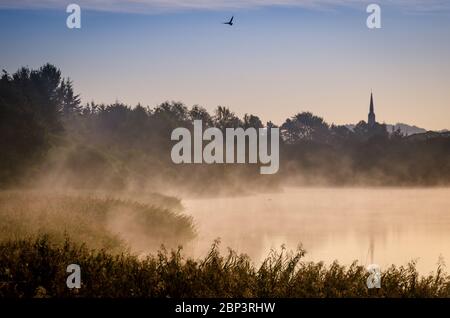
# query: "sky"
(278, 59)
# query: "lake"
(383, 225)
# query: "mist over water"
(374, 225)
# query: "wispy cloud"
(157, 6)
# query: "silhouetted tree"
(305, 126)
(252, 121)
(224, 118)
(200, 113)
(341, 134)
(30, 109)
(70, 102)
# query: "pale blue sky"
(275, 61)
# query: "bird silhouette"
(230, 23)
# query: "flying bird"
(230, 23)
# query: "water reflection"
(383, 226)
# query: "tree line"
(45, 129)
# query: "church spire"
(371, 102)
(371, 119)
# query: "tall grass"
(99, 222)
(37, 268)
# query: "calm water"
(382, 226)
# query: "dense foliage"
(36, 268)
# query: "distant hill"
(429, 135)
(406, 129)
